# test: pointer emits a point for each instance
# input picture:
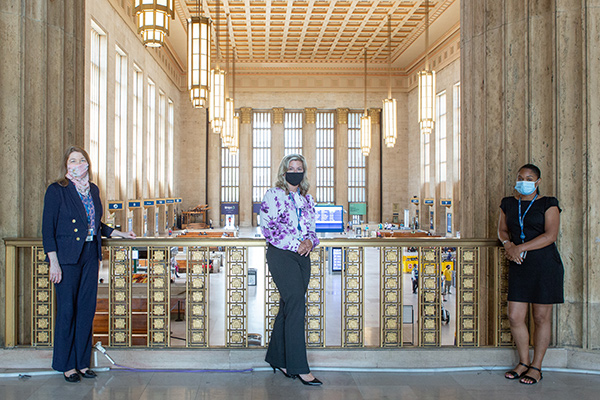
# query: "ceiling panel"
(315, 31)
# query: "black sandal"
(534, 381)
(512, 374)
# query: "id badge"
(90, 236)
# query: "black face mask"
(294, 178)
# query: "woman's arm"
(124, 235)
(512, 252)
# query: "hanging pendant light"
(217, 85)
(227, 133)
(198, 59)
(235, 135)
(154, 18)
(426, 86)
(389, 105)
(365, 122)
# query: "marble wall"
(530, 94)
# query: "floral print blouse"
(287, 220)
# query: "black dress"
(539, 278)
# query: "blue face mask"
(525, 187)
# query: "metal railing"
(360, 306)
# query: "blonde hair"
(283, 169)
(62, 180)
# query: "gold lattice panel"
(271, 304)
(236, 303)
(159, 296)
(119, 333)
(42, 301)
(197, 295)
(467, 294)
(315, 300)
(353, 298)
(321, 31)
(503, 334)
(429, 296)
(391, 297)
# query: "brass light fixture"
(198, 59)
(426, 86)
(227, 132)
(389, 105)
(365, 122)
(154, 19)
(217, 86)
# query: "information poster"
(358, 209)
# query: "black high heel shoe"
(314, 382)
(282, 371)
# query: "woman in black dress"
(528, 228)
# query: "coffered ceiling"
(318, 31)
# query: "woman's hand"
(305, 247)
(124, 235)
(55, 270)
(513, 252)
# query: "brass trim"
(119, 297)
(10, 292)
(315, 300)
(42, 300)
(236, 297)
(259, 242)
(503, 335)
(353, 297)
(429, 297)
(197, 296)
(467, 296)
(391, 297)
(272, 298)
(159, 297)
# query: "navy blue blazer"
(64, 222)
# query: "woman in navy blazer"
(72, 231)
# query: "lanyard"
(522, 218)
(298, 212)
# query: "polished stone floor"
(124, 385)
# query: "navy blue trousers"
(75, 309)
(291, 274)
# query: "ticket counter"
(116, 214)
(170, 215)
(135, 217)
(149, 218)
(161, 226)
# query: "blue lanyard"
(522, 218)
(298, 212)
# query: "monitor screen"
(329, 218)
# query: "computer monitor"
(329, 218)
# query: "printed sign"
(230, 208)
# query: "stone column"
(591, 90)
(374, 169)
(277, 142)
(309, 146)
(246, 166)
(341, 160)
(41, 111)
(530, 94)
(213, 177)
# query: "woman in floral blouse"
(287, 221)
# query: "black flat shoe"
(73, 378)
(512, 374)
(88, 374)
(282, 371)
(314, 382)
